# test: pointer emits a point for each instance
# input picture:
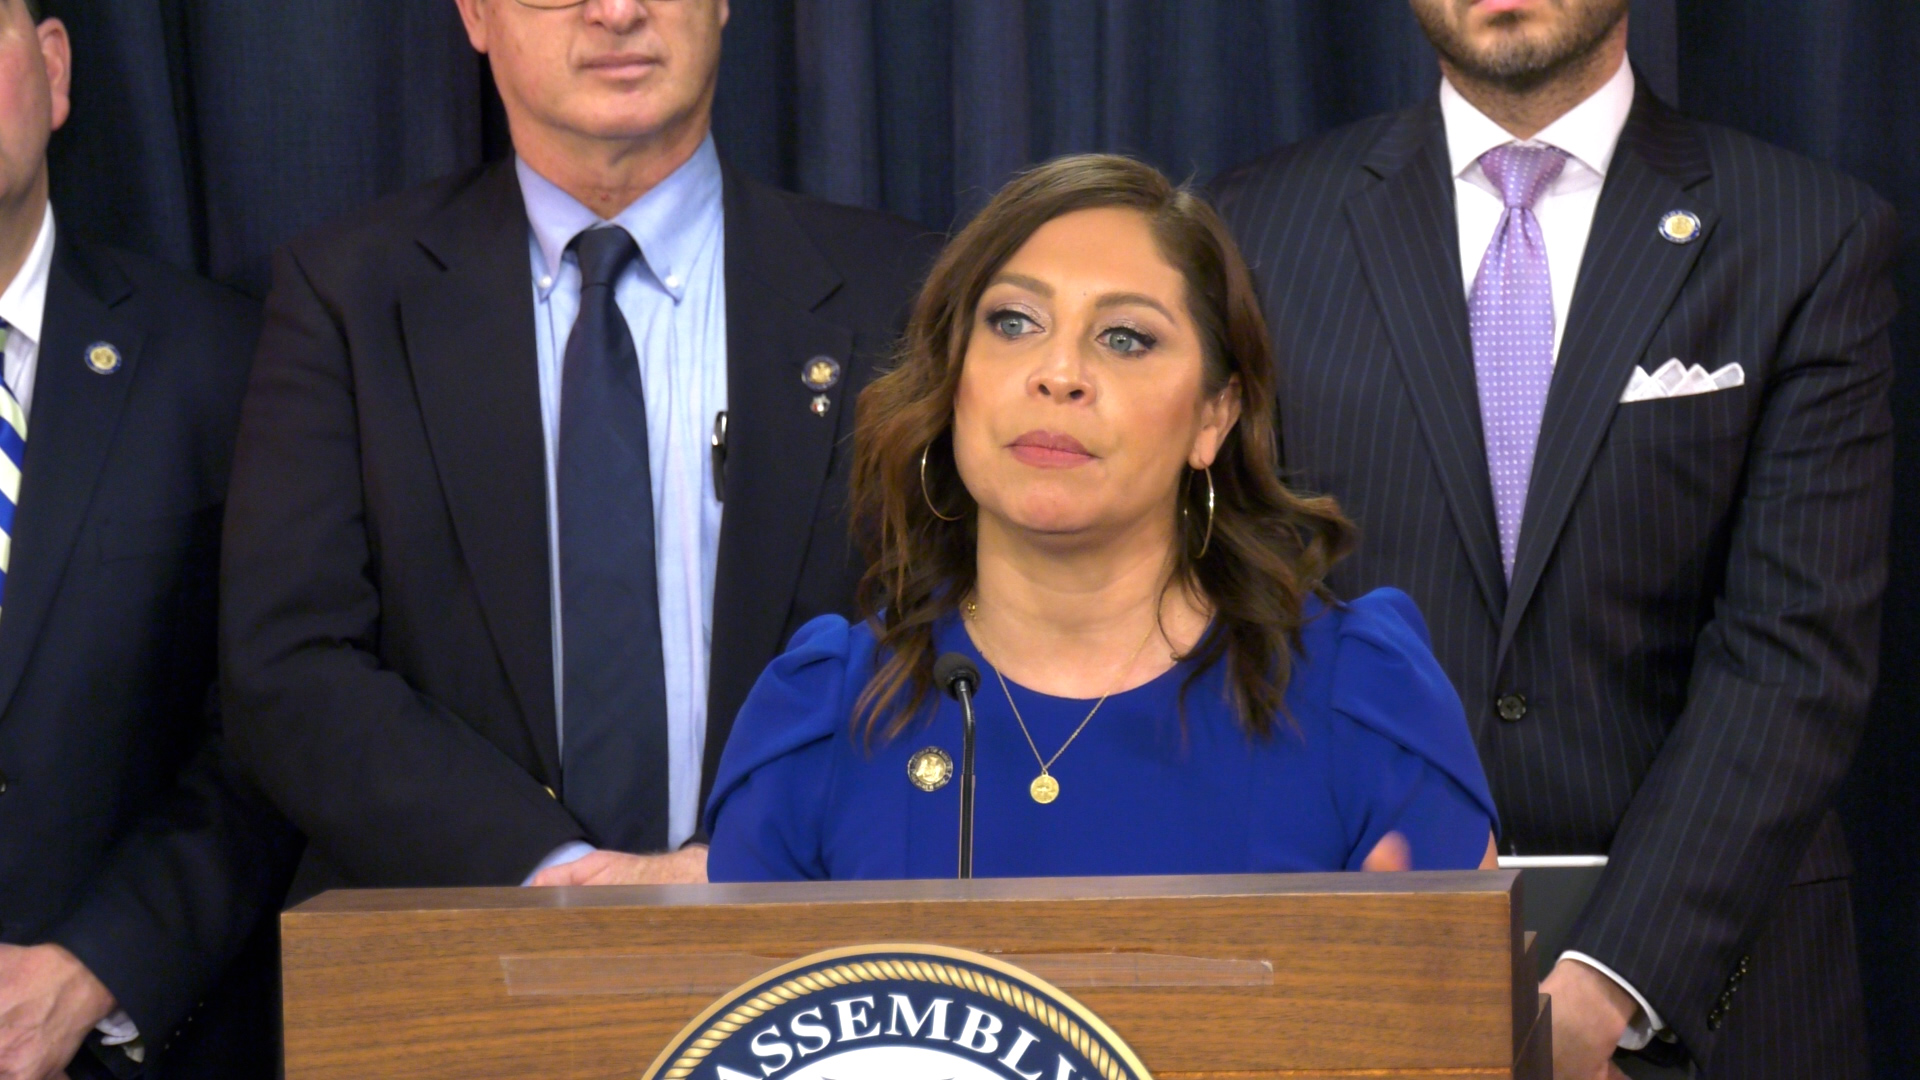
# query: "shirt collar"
(671, 222)
(23, 304)
(1589, 132)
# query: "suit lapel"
(1404, 229)
(469, 336)
(1628, 280)
(70, 430)
(778, 451)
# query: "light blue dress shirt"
(675, 300)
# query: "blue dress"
(1377, 742)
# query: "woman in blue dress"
(1071, 479)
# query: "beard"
(1516, 63)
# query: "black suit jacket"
(1689, 640)
(387, 637)
(122, 835)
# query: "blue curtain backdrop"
(207, 131)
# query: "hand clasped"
(686, 866)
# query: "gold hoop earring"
(925, 494)
(1206, 540)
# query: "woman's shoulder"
(1385, 618)
(804, 697)
(1378, 661)
(1384, 678)
(824, 639)
(824, 659)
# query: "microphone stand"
(963, 690)
(956, 675)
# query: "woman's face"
(1081, 406)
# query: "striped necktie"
(13, 451)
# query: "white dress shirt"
(1588, 133)
(23, 304)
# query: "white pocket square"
(1675, 379)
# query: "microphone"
(956, 675)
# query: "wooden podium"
(1273, 976)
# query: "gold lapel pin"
(820, 373)
(1680, 227)
(103, 358)
(930, 769)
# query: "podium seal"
(897, 1012)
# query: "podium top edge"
(1223, 886)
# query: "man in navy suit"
(138, 877)
(540, 466)
(1607, 391)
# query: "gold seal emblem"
(820, 373)
(1680, 227)
(103, 358)
(900, 1004)
(930, 769)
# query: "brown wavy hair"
(1270, 549)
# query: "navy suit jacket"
(1678, 673)
(124, 836)
(388, 652)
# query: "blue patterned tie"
(614, 725)
(13, 453)
(1510, 314)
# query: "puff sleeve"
(1407, 759)
(770, 793)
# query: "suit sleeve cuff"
(1645, 1022)
(571, 851)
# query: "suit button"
(1512, 707)
(3, 783)
(552, 796)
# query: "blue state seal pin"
(103, 358)
(897, 1012)
(1680, 226)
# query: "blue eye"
(1009, 323)
(1127, 342)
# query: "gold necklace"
(1045, 788)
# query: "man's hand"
(48, 1003)
(688, 865)
(1590, 1013)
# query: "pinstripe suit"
(1687, 646)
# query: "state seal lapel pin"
(930, 769)
(103, 358)
(1680, 226)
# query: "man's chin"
(1516, 58)
(627, 121)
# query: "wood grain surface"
(1374, 975)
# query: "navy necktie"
(614, 695)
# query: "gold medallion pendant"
(1044, 789)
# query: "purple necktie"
(1510, 315)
